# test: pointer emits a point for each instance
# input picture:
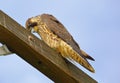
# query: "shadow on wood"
(38, 54)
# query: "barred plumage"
(59, 40)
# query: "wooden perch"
(38, 54)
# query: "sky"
(94, 24)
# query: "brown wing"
(63, 33)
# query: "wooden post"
(38, 54)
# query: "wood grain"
(38, 54)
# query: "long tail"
(81, 60)
(68, 52)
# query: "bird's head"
(32, 24)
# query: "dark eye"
(32, 24)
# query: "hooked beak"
(30, 25)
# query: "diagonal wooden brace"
(38, 54)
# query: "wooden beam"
(38, 54)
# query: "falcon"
(56, 36)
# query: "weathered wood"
(38, 54)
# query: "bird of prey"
(55, 35)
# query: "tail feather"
(83, 62)
(68, 52)
(86, 55)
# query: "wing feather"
(63, 33)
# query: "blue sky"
(94, 24)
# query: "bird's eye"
(32, 24)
